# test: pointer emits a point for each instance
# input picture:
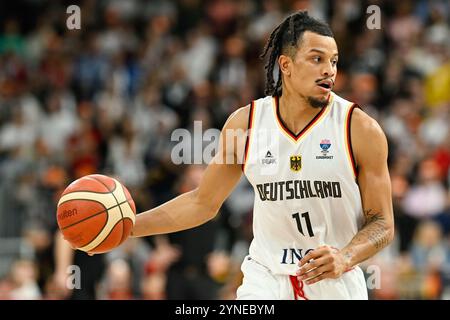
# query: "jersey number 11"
(298, 219)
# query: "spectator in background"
(118, 282)
(106, 98)
(126, 154)
(428, 256)
(404, 223)
(134, 253)
(428, 250)
(23, 281)
(429, 197)
(11, 41)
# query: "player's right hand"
(325, 262)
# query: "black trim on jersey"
(288, 131)
(349, 137)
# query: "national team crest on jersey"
(296, 163)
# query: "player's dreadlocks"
(285, 37)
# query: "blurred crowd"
(106, 99)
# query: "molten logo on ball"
(67, 213)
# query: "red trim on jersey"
(297, 285)
(310, 124)
(349, 138)
(249, 126)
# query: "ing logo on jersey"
(296, 163)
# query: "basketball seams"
(95, 236)
(132, 217)
(115, 183)
(106, 237)
(93, 200)
(89, 178)
(118, 205)
(104, 198)
(109, 233)
(95, 214)
(120, 208)
(98, 192)
(114, 217)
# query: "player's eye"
(316, 59)
(334, 62)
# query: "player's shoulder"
(240, 118)
(361, 123)
(368, 140)
(364, 125)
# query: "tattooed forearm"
(373, 236)
(376, 229)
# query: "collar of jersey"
(317, 118)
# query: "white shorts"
(260, 284)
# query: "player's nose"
(327, 70)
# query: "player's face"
(312, 72)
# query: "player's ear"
(285, 63)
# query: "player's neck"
(295, 111)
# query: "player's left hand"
(325, 262)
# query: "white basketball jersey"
(306, 194)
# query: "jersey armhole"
(348, 139)
(249, 132)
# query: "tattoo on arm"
(375, 234)
(379, 237)
(374, 230)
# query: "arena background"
(106, 98)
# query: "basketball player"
(322, 188)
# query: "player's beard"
(317, 103)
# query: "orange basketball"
(96, 213)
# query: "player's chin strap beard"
(315, 103)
